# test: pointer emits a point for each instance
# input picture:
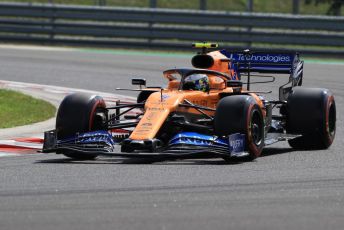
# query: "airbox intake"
(202, 61)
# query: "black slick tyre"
(79, 113)
(311, 112)
(241, 114)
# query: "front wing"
(182, 145)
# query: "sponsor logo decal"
(263, 58)
(165, 97)
(236, 143)
(276, 58)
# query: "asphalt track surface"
(283, 189)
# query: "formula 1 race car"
(204, 111)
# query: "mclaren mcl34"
(205, 111)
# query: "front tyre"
(80, 113)
(241, 114)
(311, 112)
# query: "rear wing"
(264, 62)
(268, 62)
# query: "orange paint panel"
(157, 108)
(150, 124)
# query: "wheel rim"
(99, 120)
(256, 128)
(332, 120)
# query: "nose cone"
(157, 108)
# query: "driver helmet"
(197, 82)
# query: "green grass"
(267, 6)
(18, 109)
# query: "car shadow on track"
(206, 161)
(270, 151)
(100, 160)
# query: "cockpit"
(195, 79)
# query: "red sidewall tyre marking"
(251, 146)
(95, 106)
(329, 137)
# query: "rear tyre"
(311, 112)
(80, 113)
(241, 114)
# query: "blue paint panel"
(90, 137)
(236, 143)
(262, 61)
(193, 138)
(276, 58)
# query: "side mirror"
(138, 81)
